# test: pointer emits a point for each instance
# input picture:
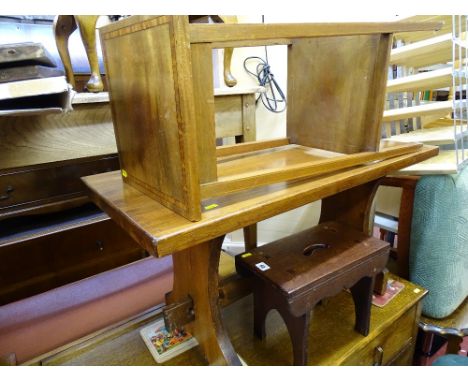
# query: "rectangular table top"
(161, 231)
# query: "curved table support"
(202, 260)
(354, 207)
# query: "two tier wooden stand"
(180, 194)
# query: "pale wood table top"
(162, 231)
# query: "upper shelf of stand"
(225, 35)
(221, 35)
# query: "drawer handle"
(7, 193)
(100, 245)
(378, 356)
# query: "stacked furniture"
(177, 193)
(55, 243)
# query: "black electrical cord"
(273, 98)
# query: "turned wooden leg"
(362, 296)
(196, 276)
(87, 26)
(229, 79)
(64, 25)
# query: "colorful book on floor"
(164, 344)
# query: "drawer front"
(23, 188)
(36, 265)
(388, 345)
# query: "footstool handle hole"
(310, 249)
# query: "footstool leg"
(260, 313)
(298, 328)
(362, 296)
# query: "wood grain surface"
(152, 107)
(339, 106)
(161, 231)
(222, 35)
(291, 162)
(167, 147)
(87, 131)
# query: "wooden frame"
(163, 108)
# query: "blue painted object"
(451, 360)
(439, 242)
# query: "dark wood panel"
(48, 258)
(38, 185)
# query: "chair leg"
(64, 25)
(362, 296)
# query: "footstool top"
(306, 260)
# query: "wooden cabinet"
(48, 251)
(388, 347)
(50, 234)
(33, 187)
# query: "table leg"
(196, 277)
(250, 237)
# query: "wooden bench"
(293, 274)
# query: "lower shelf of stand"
(161, 231)
(290, 162)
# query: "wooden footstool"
(293, 274)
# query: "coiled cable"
(273, 98)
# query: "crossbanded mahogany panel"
(153, 119)
(336, 88)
